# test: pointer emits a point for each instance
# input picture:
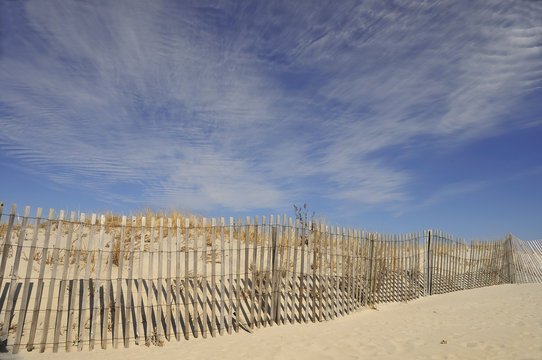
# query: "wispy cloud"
(253, 106)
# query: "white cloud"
(251, 107)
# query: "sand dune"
(499, 322)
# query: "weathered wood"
(63, 284)
(230, 282)
(275, 271)
(7, 243)
(222, 303)
(129, 299)
(150, 329)
(295, 243)
(178, 283)
(308, 241)
(326, 266)
(41, 283)
(269, 248)
(52, 282)
(337, 273)
(253, 268)
(169, 298)
(264, 277)
(196, 317)
(246, 288)
(281, 271)
(333, 274)
(24, 299)
(74, 289)
(97, 284)
(213, 277)
(109, 306)
(10, 307)
(159, 281)
(239, 289)
(204, 280)
(289, 302)
(86, 290)
(321, 265)
(120, 277)
(302, 273)
(140, 309)
(187, 278)
(263, 316)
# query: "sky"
(388, 116)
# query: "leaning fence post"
(429, 266)
(510, 259)
(370, 278)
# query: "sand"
(499, 322)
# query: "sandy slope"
(500, 322)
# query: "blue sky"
(387, 116)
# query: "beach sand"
(499, 322)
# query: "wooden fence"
(84, 282)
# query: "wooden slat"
(350, 272)
(40, 283)
(231, 273)
(52, 282)
(302, 273)
(213, 277)
(357, 268)
(239, 289)
(320, 283)
(222, 303)
(187, 278)
(108, 302)
(63, 284)
(120, 276)
(310, 273)
(74, 289)
(150, 329)
(254, 267)
(204, 279)
(140, 309)
(24, 300)
(268, 277)
(333, 273)
(264, 285)
(169, 298)
(178, 284)
(6, 246)
(275, 296)
(289, 302)
(327, 273)
(196, 316)
(246, 288)
(159, 281)
(116, 336)
(338, 306)
(10, 307)
(295, 244)
(129, 299)
(282, 271)
(86, 284)
(312, 264)
(97, 284)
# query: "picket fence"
(78, 282)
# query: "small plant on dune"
(302, 214)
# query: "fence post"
(275, 273)
(369, 286)
(429, 266)
(510, 259)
